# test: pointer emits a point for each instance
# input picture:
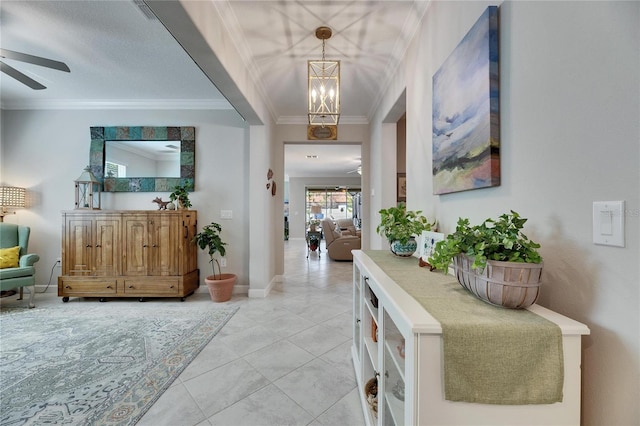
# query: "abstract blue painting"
(466, 112)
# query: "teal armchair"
(24, 276)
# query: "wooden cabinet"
(128, 254)
(152, 244)
(92, 245)
(397, 341)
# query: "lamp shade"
(12, 196)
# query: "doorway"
(327, 168)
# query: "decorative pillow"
(10, 257)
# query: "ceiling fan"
(31, 59)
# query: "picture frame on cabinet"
(427, 242)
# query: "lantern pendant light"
(324, 86)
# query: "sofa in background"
(348, 225)
(339, 243)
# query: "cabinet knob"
(155, 245)
(130, 286)
(144, 245)
(357, 320)
(98, 245)
(366, 279)
(109, 286)
(67, 287)
(171, 286)
(88, 246)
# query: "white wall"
(570, 114)
(45, 151)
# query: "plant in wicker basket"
(500, 239)
(493, 260)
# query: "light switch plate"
(226, 214)
(608, 223)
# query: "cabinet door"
(189, 249)
(107, 253)
(136, 245)
(164, 254)
(78, 246)
(394, 377)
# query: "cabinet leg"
(65, 299)
(102, 300)
(141, 299)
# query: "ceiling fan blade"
(36, 60)
(12, 72)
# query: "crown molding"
(146, 104)
(303, 119)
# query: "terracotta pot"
(220, 286)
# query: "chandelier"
(324, 87)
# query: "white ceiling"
(120, 58)
(321, 160)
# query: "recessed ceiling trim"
(305, 120)
(151, 104)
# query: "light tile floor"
(281, 360)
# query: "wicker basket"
(371, 394)
(513, 285)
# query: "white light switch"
(226, 214)
(608, 223)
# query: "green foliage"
(500, 239)
(400, 224)
(181, 193)
(209, 239)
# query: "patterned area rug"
(104, 364)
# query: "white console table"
(411, 388)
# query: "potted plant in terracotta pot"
(400, 227)
(493, 260)
(220, 285)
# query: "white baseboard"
(264, 292)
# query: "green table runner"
(492, 355)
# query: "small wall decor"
(466, 112)
(271, 184)
(402, 187)
(326, 132)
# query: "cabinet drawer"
(70, 287)
(155, 286)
